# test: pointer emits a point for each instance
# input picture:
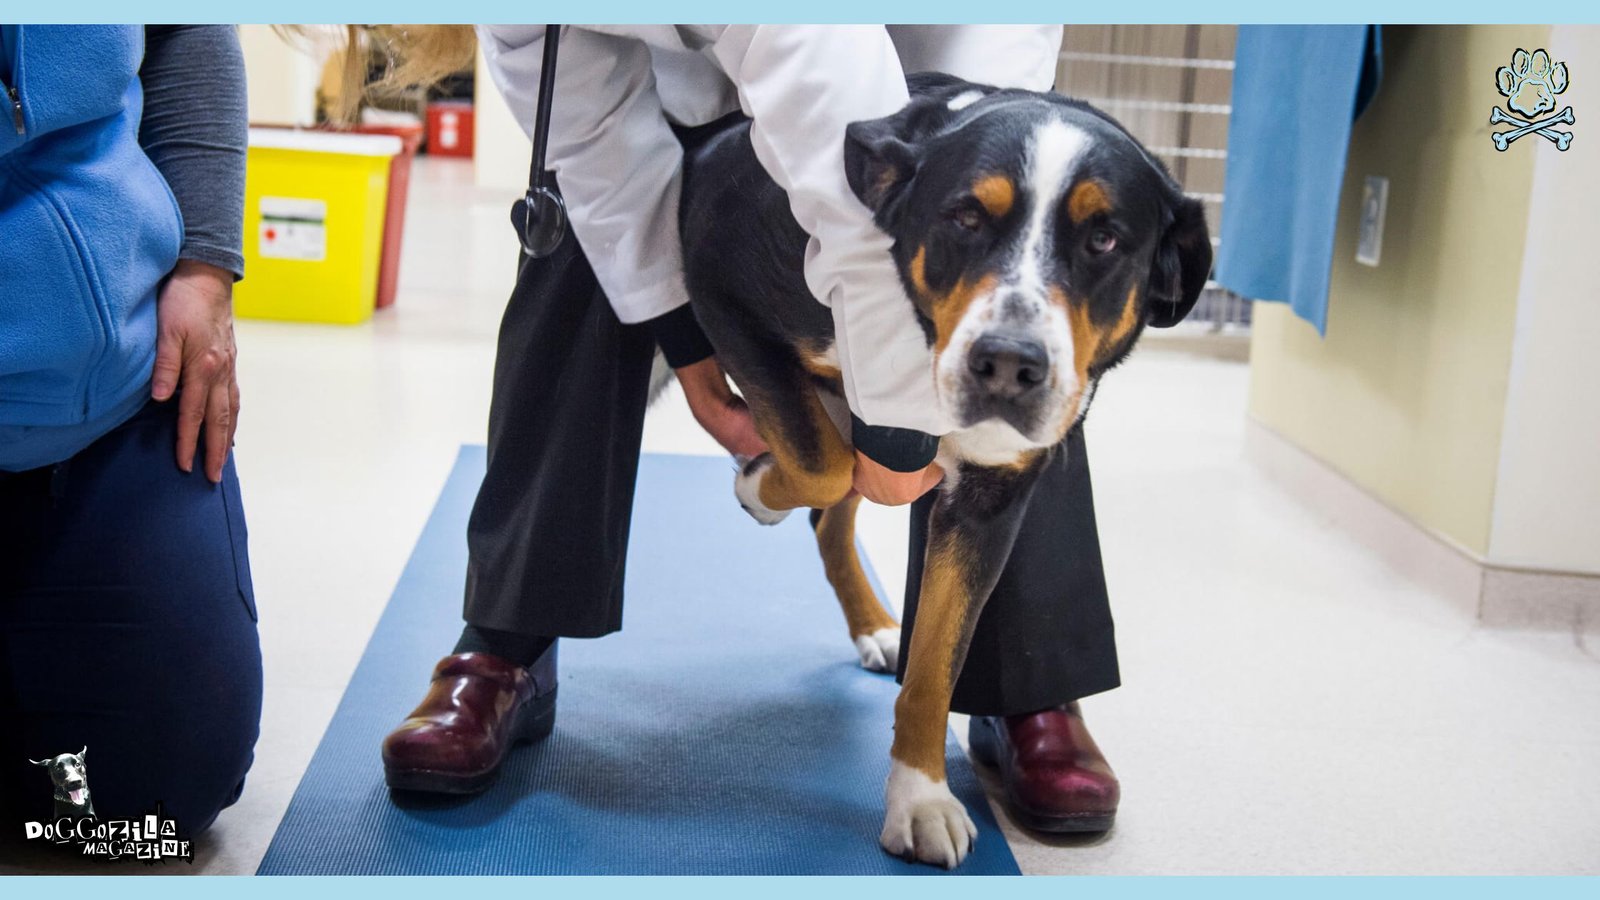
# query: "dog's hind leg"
(810, 464)
(872, 629)
(970, 533)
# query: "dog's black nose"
(1008, 367)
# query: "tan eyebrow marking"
(996, 192)
(1087, 198)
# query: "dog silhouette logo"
(69, 773)
(1530, 85)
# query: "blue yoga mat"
(726, 730)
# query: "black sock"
(522, 649)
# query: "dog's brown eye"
(1101, 241)
(968, 218)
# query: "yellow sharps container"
(313, 225)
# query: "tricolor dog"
(69, 773)
(1036, 239)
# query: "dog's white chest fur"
(988, 443)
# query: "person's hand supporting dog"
(724, 416)
(721, 412)
(888, 487)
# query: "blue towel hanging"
(1296, 91)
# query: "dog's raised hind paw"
(747, 487)
(924, 821)
(880, 650)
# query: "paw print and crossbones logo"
(1530, 85)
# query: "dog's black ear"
(877, 161)
(881, 156)
(83, 754)
(40, 762)
(1182, 264)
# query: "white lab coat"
(619, 86)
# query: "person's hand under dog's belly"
(886, 487)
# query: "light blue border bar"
(796, 888)
(739, 888)
(936, 11)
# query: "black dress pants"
(547, 539)
(1045, 637)
(548, 535)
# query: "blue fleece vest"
(88, 229)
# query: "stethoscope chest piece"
(541, 221)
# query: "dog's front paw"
(924, 821)
(880, 650)
(747, 487)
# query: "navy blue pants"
(127, 625)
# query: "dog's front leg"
(970, 533)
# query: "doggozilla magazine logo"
(151, 838)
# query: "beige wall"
(1407, 393)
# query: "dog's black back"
(726, 191)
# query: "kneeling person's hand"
(195, 351)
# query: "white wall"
(501, 149)
(1547, 499)
(282, 79)
(283, 86)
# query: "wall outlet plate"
(1374, 205)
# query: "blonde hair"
(411, 56)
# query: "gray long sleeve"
(195, 129)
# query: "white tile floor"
(1289, 704)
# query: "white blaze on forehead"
(1053, 153)
(1052, 157)
(964, 99)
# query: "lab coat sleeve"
(801, 86)
(617, 162)
(1008, 56)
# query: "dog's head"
(70, 773)
(1037, 239)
